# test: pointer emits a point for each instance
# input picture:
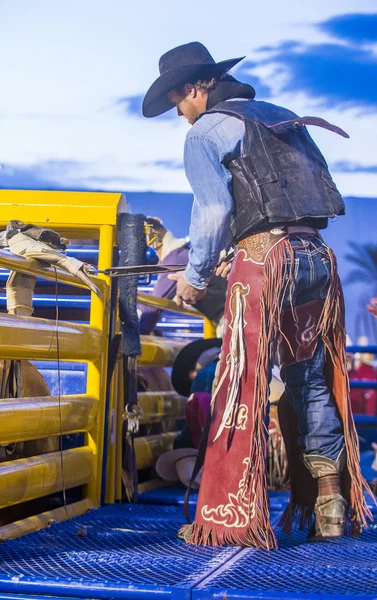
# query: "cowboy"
(262, 186)
(175, 251)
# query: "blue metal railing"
(358, 384)
(170, 324)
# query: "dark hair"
(206, 86)
(199, 84)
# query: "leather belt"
(258, 245)
(300, 229)
(293, 229)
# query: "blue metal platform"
(132, 552)
(337, 569)
(128, 552)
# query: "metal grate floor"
(127, 552)
(345, 568)
(132, 552)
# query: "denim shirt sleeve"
(212, 208)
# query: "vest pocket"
(273, 195)
(270, 178)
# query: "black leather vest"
(281, 177)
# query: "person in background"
(192, 376)
(363, 401)
(372, 307)
(175, 251)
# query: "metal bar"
(29, 478)
(13, 596)
(149, 448)
(35, 267)
(37, 522)
(31, 338)
(148, 269)
(159, 406)
(76, 210)
(159, 352)
(165, 304)
(111, 441)
(97, 371)
(49, 301)
(57, 589)
(370, 349)
(34, 418)
(110, 423)
(363, 385)
(119, 436)
(209, 329)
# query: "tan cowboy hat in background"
(177, 466)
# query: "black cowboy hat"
(186, 362)
(184, 64)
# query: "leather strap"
(112, 357)
(301, 229)
(333, 520)
(198, 464)
(301, 121)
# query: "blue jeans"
(319, 426)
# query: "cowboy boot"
(330, 506)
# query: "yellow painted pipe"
(39, 269)
(150, 447)
(29, 478)
(164, 304)
(31, 338)
(159, 406)
(24, 419)
(97, 371)
(159, 352)
(37, 522)
(78, 210)
(209, 329)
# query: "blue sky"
(73, 74)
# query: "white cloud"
(66, 63)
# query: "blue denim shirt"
(212, 139)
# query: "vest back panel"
(281, 177)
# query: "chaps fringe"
(331, 329)
(259, 532)
(278, 277)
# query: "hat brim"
(166, 463)
(186, 362)
(156, 101)
(185, 468)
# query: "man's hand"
(186, 292)
(223, 269)
(372, 307)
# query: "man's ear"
(190, 90)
